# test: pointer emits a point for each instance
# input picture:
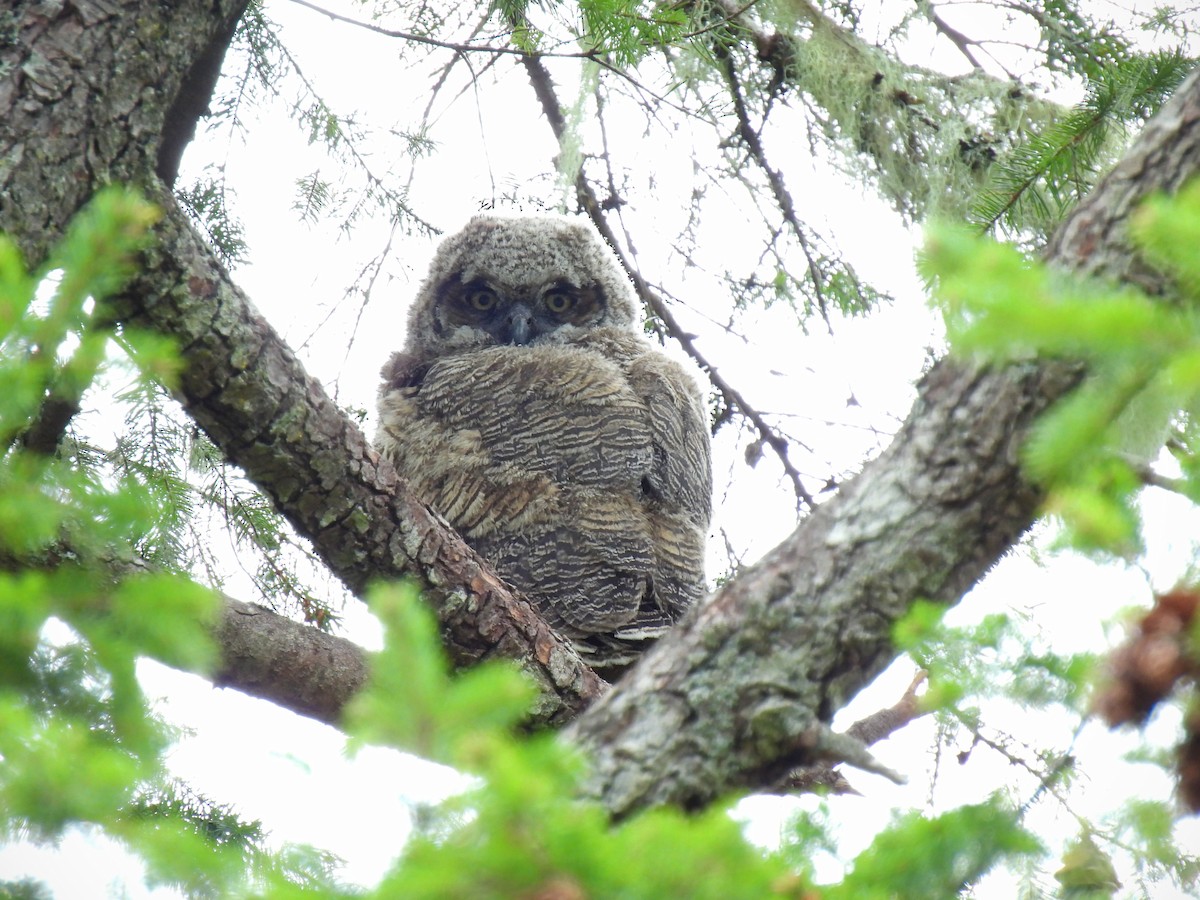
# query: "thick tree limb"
(272, 657)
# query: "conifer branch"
(1035, 185)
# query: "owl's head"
(519, 281)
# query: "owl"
(527, 407)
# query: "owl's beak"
(520, 324)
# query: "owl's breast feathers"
(580, 471)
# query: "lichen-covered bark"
(87, 93)
(741, 690)
(85, 88)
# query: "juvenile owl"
(528, 409)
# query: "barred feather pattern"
(577, 464)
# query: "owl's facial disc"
(521, 316)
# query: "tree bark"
(269, 656)
(741, 690)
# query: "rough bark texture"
(736, 695)
(88, 93)
(269, 656)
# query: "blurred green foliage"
(80, 746)
(1096, 449)
(522, 831)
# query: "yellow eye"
(558, 301)
(481, 299)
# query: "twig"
(1046, 778)
(783, 198)
(731, 16)
(461, 48)
(351, 148)
(869, 730)
(956, 37)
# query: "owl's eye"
(558, 301)
(482, 299)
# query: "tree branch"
(720, 701)
(956, 37)
(872, 729)
(295, 666)
(783, 197)
(47, 430)
(901, 110)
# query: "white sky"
(291, 772)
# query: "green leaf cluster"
(1094, 450)
(936, 857)
(197, 490)
(206, 202)
(1087, 871)
(523, 829)
(621, 31)
(79, 744)
(997, 657)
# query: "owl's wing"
(400, 371)
(584, 477)
(678, 485)
(567, 443)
